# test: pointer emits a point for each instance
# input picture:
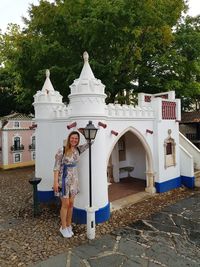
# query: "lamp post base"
(91, 222)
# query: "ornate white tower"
(87, 93)
(87, 102)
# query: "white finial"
(47, 73)
(85, 56)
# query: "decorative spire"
(47, 73)
(86, 72)
(47, 87)
(85, 56)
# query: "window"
(33, 141)
(33, 156)
(16, 143)
(169, 151)
(16, 124)
(32, 145)
(17, 158)
(168, 148)
(122, 149)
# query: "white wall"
(186, 163)
(135, 155)
(163, 174)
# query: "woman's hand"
(56, 187)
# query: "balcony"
(31, 147)
(17, 148)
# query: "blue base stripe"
(79, 215)
(168, 185)
(101, 215)
(46, 196)
(175, 183)
(188, 181)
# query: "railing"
(191, 136)
(168, 110)
(31, 147)
(17, 148)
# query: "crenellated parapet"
(47, 97)
(87, 98)
(129, 111)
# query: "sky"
(13, 10)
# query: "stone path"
(168, 238)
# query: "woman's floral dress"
(71, 187)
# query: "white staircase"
(191, 155)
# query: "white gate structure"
(148, 133)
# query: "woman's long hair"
(67, 148)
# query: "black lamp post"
(89, 133)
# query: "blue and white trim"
(101, 215)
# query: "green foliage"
(132, 45)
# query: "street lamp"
(89, 133)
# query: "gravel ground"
(25, 240)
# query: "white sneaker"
(65, 232)
(70, 230)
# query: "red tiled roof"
(189, 117)
(17, 116)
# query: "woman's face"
(73, 140)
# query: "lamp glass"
(90, 131)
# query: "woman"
(66, 179)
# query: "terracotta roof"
(189, 117)
(17, 116)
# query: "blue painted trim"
(175, 183)
(79, 215)
(46, 196)
(101, 215)
(168, 185)
(188, 181)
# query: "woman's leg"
(64, 211)
(69, 211)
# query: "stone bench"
(126, 169)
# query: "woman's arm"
(56, 184)
(83, 147)
(57, 166)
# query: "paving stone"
(168, 256)
(131, 248)
(96, 246)
(111, 260)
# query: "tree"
(187, 45)
(126, 40)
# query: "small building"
(17, 141)
(190, 126)
(141, 141)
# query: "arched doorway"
(130, 166)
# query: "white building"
(148, 135)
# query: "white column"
(150, 183)
(5, 148)
(115, 163)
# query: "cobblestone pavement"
(168, 238)
(160, 231)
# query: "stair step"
(197, 178)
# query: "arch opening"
(130, 166)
